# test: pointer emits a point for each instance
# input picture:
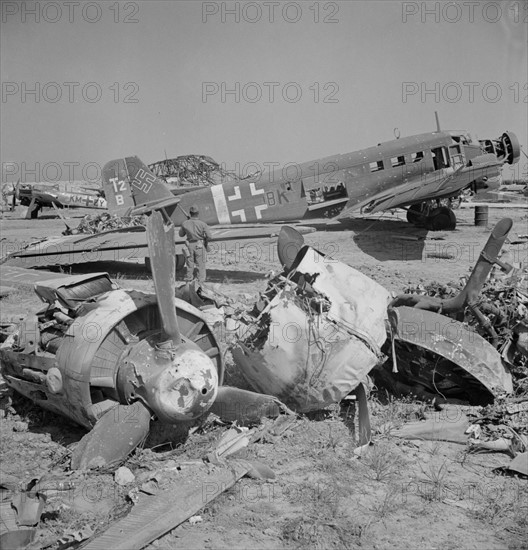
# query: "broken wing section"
(319, 335)
(439, 356)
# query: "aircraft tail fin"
(129, 184)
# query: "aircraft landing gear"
(33, 210)
(442, 218)
(415, 214)
(432, 217)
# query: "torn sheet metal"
(324, 332)
(153, 516)
(519, 464)
(449, 424)
(473, 368)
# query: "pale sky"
(343, 75)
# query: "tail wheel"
(442, 218)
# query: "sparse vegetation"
(398, 494)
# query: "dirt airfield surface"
(399, 494)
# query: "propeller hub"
(186, 388)
(177, 383)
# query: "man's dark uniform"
(198, 237)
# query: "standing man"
(198, 236)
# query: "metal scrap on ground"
(294, 344)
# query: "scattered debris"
(72, 536)
(519, 464)
(295, 344)
(450, 424)
(154, 515)
(29, 506)
(195, 519)
(98, 223)
(123, 476)
(230, 443)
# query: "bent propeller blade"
(234, 404)
(115, 435)
(162, 252)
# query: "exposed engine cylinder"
(78, 370)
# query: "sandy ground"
(400, 494)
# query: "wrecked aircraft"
(322, 326)
(111, 359)
(423, 174)
(58, 194)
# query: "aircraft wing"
(119, 245)
(427, 187)
(22, 276)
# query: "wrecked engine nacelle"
(315, 340)
(87, 350)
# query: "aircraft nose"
(186, 388)
(512, 147)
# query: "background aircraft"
(417, 173)
(423, 173)
(57, 194)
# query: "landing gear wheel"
(442, 218)
(415, 214)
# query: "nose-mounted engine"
(505, 147)
(96, 346)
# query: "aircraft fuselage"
(323, 187)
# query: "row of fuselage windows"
(439, 155)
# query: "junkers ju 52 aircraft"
(415, 173)
(421, 173)
(55, 194)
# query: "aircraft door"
(457, 158)
(440, 158)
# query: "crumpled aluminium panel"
(314, 356)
